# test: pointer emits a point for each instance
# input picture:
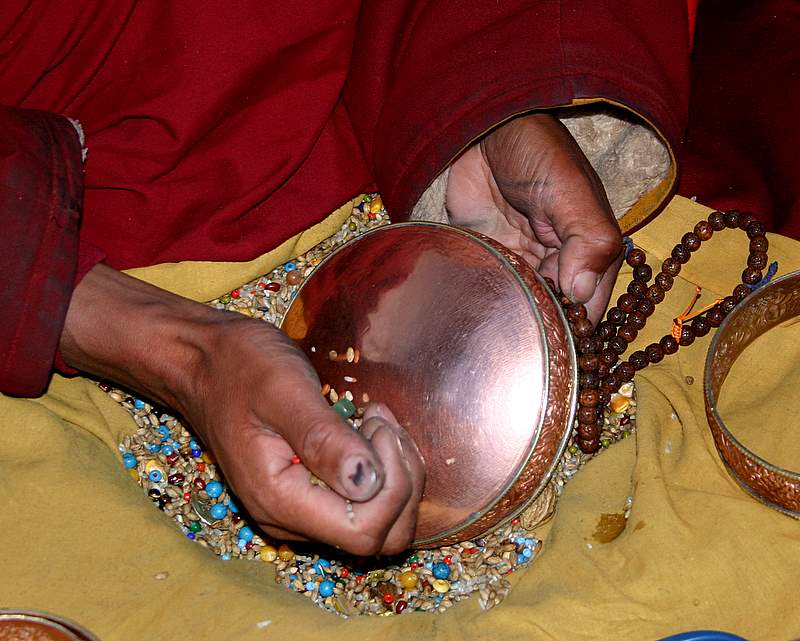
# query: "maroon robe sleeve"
(41, 188)
(429, 77)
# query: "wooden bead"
(626, 303)
(588, 380)
(637, 319)
(727, 305)
(637, 288)
(589, 397)
(687, 336)
(615, 316)
(643, 273)
(585, 345)
(576, 312)
(610, 383)
(751, 276)
(588, 446)
(668, 344)
(745, 218)
(731, 219)
(671, 267)
(759, 244)
(715, 316)
(605, 397)
(664, 281)
(646, 307)
(704, 230)
(741, 292)
(639, 359)
(655, 294)
(655, 353)
(602, 370)
(691, 241)
(756, 228)
(681, 254)
(588, 431)
(582, 327)
(700, 327)
(636, 257)
(717, 220)
(605, 330)
(628, 333)
(587, 414)
(625, 371)
(588, 362)
(618, 344)
(757, 260)
(608, 357)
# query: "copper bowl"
(18, 625)
(466, 344)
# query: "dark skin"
(253, 397)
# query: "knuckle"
(320, 437)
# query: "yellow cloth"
(80, 539)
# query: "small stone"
(409, 580)
(441, 586)
(268, 553)
(285, 553)
(294, 278)
(344, 408)
(619, 403)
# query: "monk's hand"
(254, 399)
(529, 186)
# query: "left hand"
(529, 186)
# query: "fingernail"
(583, 286)
(360, 477)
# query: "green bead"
(225, 299)
(344, 408)
(573, 449)
(195, 526)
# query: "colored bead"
(310, 585)
(326, 588)
(153, 448)
(273, 287)
(246, 534)
(268, 553)
(400, 606)
(441, 570)
(289, 267)
(197, 453)
(173, 458)
(294, 278)
(191, 536)
(409, 580)
(344, 573)
(219, 511)
(201, 466)
(167, 450)
(176, 479)
(322, 566)
(129, 460)
(295, 460)
(199, 483)
(214, 489)
(195, 526)
(225, 557)
(232, 507)
(138, 404)
(344, 408)
(225, 299)
(155, 476)
(187, 496)
(285, 553)
(163, 432)
(441, 586)
(388, 599)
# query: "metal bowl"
(467, 346)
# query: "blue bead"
(246, 534)
(129, 460)
(155, 476)
(166, 450)
(310, 585)
(214, 489)
(241, 543)
(441, 570)
(232, 507)
(429, 565)
(521, 558)
(527, 553)
(138, 404)
(197, 453)
(190, 536)
(289, 267)
(326, 588)
(225, 557)
(153, 448)
(193, 444)
(163, 432)
(218, 511)
(321, 566)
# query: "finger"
(324, 441)
(402, 532)
(596, 306)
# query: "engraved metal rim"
(59, 623)
(711, 402)
(474, 516)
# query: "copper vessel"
(466, 344)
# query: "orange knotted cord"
(677, 323)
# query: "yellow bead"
(441, 586)
(285, 553)
(152, 465)
(134, 474)
(376, 205)
(409, 580)
(268, 553)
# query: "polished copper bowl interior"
(467, 347)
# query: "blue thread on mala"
(628, 242)
(771, 271)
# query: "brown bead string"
(599, 350)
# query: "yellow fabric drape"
(80, 539)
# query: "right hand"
(254, 399)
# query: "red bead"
(235, 293)
(400, 606)
(273, 287)
(201, 467)
(187, 496)
(295, 460)
(344, 573)
(515, 521)
(248, 545)
(414, 565)
(199, 483)
(472, 550)
(358, 578)
(175, 479)
(173, 458)
(448, 559)
(236, 518)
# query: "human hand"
(254, 399)
(529, 186)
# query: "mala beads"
(600, 350)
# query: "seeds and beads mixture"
(183, 480)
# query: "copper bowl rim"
(716, 422)
(55, 621)
(534, 305)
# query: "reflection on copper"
(453, 341)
